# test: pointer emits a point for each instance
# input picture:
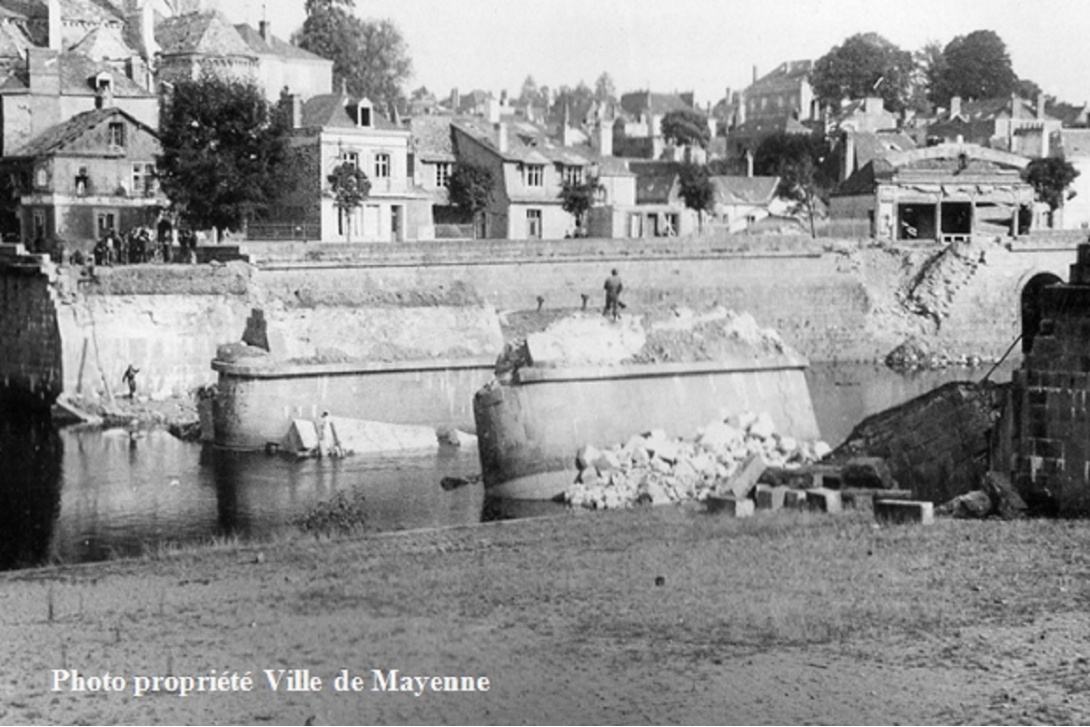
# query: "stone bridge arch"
(1031, 306)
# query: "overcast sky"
(700, 45)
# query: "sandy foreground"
(656, 615)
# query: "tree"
(578, 197)
(696, 189)
(604, 88)
(686, 127)
(930, 65)
(1050, 178)
(349, 187)
(975, 66)
(797, 160)
(866, 64)
(470, 187)
(223, 151)
(370, 57)
(530, 92)
(1025, 88)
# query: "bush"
(341, 514)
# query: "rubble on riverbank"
(726, 458)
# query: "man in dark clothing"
(613, 288)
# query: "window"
(41, 178)
(382, 165)
(573, 175)
(352, 157)
(442, 174)
(143, 179)
(81, 182)
(533, 175)
(363, 113)
(533, 224)
(117, 134)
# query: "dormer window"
(363, 113)
(104, 82)
(116, 134)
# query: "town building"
(92, 174)
(333, 129)
(943, 193)
(529, 170)
(1073, 146)
(638, 126)
(1009, 124)
(742, 202)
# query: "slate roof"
(337, 111)
(431, 138)
(745, 190)
(526, 142)
(1075, 143)
(785, 77)
(638, 102)
(103, 42)
(80, 11)
(55, 138)
(77, 75)
(13, 41)
(655, 188)
(204, 33)
(273, 46)
(869, 146)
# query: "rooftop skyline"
(699, 45)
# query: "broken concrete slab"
(824, 500)
(860, 497)
(729, 505)
(745, 478)
(770, 497)
(904, 511)
(868, 472)
(795, 499)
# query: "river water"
(75, 494)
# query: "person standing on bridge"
(613, 289)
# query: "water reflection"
(31, 451)
(81, 494)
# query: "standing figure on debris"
(613, 289)
(129, 377)
(328, 446)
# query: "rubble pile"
(725, 458)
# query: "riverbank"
(641, 616)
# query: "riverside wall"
(63, 330)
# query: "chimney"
(1040, 107)
(741, 107)
(501, 137)
(263, 30)
(43, 68)
(455, 99)
(872, 105)
(53, 10)
(604, 137)
(849, 156)
(296, 110)
(754, 73)
(749, 162)
(955, 106)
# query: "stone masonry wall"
(1051, 401)
(830, 301)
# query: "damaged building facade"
(944, 193)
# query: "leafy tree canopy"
(696, 188)
(349, 186)
(578, 198)
(864, 65)
(797, 160)
(223, 151)
(975, 66)
(1050, 177)
(470, 186)
(686, 127)
(604, 88)
(370, 57)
